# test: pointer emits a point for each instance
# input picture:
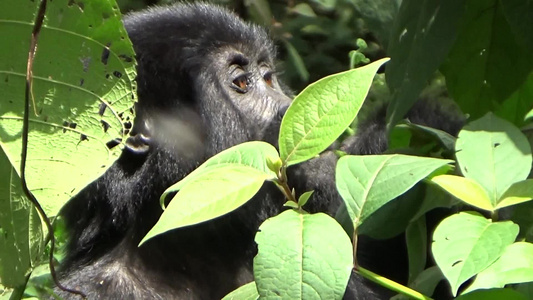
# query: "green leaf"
(245, 292)
(466, 243)
(216, 192)
(519, 14)
(291, 204)
(521, 101)
(519, 192)
(422, 36)
(83, 88)
(521, 215)
(304, 9)
(465, 189)
(434, 197)
(302, 256)
(21, 235)
(393, 217)
(368, 182)
(304, 198)
(487, 63)
(493, 294)
(253, 154)
(322, 111)
(494, 153)
(525, 289)
(446, 140)
(416, 239)
(514, 266)
(529, 115)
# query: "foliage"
(481, 48)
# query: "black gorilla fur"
(206, 82)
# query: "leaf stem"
(283, 184)
(394, 286)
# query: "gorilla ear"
(140, 137)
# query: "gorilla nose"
(282, 110)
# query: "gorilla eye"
(268, 79)
(240, 84)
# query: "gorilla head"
(204, 73)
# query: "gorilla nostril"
(282, 110)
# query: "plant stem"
(391, 284)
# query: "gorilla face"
(242, 98)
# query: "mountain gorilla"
(206, 82)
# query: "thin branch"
(25, 129)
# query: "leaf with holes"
(322, 111)
(466, 243)
(494, 153)
(83, 91)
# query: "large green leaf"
(514, 266)
(487, 63)
(21, 235)
(322, 111)
(82, 89)
(422, 36)
(368, 182)
(302, 256)
(466, 243)
(216, 192)
(494, 153)
(254, 154)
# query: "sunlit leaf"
(322, 111)
(368, 182)
(494, 153)
(216, 192)
(253, 154)
(302, 256)
(465, 189)
(464, 244)
(514, 266)
(83, 91)
(519, 192)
